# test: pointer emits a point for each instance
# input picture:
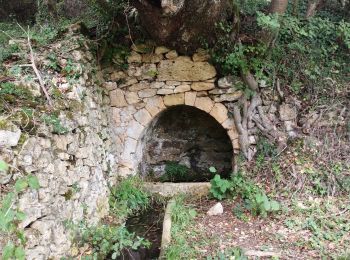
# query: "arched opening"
(182, 143)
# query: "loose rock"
(215, 210)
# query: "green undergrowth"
(305, 167)
(231, 253)
(326, 221)
(182, 216)
(129, 197)
(11, 216)
(308, 56)
(254, 199)
(110, 238)
(106, 241)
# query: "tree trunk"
(182, 24)
(312, 7)
(278, 6)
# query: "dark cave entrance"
(182, 143)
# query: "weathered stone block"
(134, 57)
(157, 84)
(134, 130)
(229, 97)
(154, 105)
(174, 99)
(161, 50)
(182, 88)
(151, 58)
(190, 98)
(233, 134)
(10, 137)
(165, 91)
(117, 98)
(110, 85)
(127, 82)
(143, 117)
(200, 55)
(229, 124)
(219, 112)
(171, 55)
(204, 103)
(132, 97)
(118, 75)
(202, 86)
(148, 71)
(185, 70)
(139, 86)
(147, 93)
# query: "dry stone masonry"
(155, 82)
(73, 168)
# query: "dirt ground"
(281, 236)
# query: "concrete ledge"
(170, 189)
(166, 234)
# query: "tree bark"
(182, 24)
(278, 6)
(312, 7)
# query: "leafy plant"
(219, 187)
(128, 197)
(10, 216)
(260, 204)
(3, 166)
(55, 122)
(106, 241)
(256, 201)
(20, 92)
(175, 172)
(53, 62)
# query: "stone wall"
(156, 81)
(72, 168)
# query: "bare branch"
(33, 65)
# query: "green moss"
(3, 124)
(68, 195)
(24, 137)
(76, 106)
(17, 91)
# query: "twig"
(36, 71)
(127, 23)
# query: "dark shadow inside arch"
(182, 143)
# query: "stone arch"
(139, 120)
(188, 134)
(155, 81)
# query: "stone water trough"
(169, 190)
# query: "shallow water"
(148, 225)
